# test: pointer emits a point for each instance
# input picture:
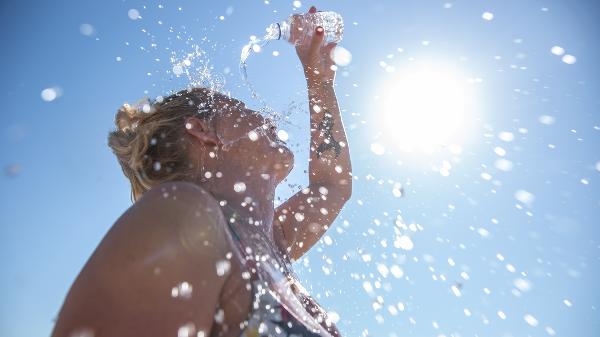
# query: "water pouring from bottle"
(295, 30)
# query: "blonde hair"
(150, 142)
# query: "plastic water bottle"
(300, 27)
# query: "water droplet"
(299, 216)
(146, 108)
(239, 187)
(525, 197)
(503, 164)
(82, 332)
(283, 135)
(50, 94)
(220, 316)
(383, 269)
(323, 190)
(501, 314)
(253, 135)
(333, 316)
(530, 320)
(297, 4)
(186, 330)
(403, 242)
(86, 29)
(558, 51)
(396, 271)
(177, 70)
(522, 284)
(397, 190)
(223, 267)
(483, 232)
(377, 148)
(488, 16)
(341, 56)
(456, 291)
(183, 290)
(506, 136)
(569, 59)
(500, 151)
(133, 14)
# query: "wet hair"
(150, 142)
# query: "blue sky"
(504, 224)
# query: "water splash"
(256, 45)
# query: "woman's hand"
(316, 59)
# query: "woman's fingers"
(317, 40)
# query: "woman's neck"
(251, 201)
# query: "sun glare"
(427, 106)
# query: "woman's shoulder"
(175, 233)
(179, 215)
(186, 208)
(177, 200)
(177, 192)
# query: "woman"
(202, 251)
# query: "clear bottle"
(299, 27)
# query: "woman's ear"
(200, 130)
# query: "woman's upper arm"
(154, 272)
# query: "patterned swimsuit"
(271, 317)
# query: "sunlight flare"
(427, 105)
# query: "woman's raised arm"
(305, 217)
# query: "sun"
(427, 106)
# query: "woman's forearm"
(329, 163)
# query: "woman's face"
(250, 140)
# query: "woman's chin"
(283, 167)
